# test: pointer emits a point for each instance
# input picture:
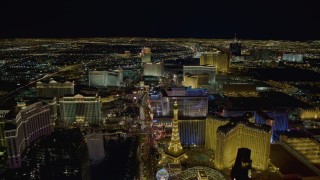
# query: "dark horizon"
(199, 38)
(218, 20)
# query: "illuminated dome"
(162, 174)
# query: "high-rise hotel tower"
(24, 126)
(240, 133)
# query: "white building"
(80, 109)
(293, 57)
(217, 59)
(106, 78)
(153, 69)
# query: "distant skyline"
(198, 19)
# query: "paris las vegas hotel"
(225, 137)
(221, 135)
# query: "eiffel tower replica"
(174, 153)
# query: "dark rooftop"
(61, 138)
(12, 113)
(295, 134)
(221, 118)
(164, 93)
(314, 132)
(267, 100)
(38, 98)
(191, 118)
(244, 119)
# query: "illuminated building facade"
(53, 111)
(153, 69)
(237, 59)
(200, 70)
(80, 109)
(53, 106)
(145, 55)
(2, 124)
(217, 59)
(192, 131)
(2, 138)
(212, 124)
(293, 57)
(196, 81)
(106, 78)
(23, 127)
(307, 147)
(240, 133)
(276, 118)
(54, 89)
(174, 153)
(192, 102)
(309, 114)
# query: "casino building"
(23, 126)
(80, 109)
(217, 59)
(54, 89)
(197, 76)
(153, 69)
(240, 133)
(192, 102)
(192, 131)
(106, 78)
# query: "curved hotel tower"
(23, 127)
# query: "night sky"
(259, 19)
